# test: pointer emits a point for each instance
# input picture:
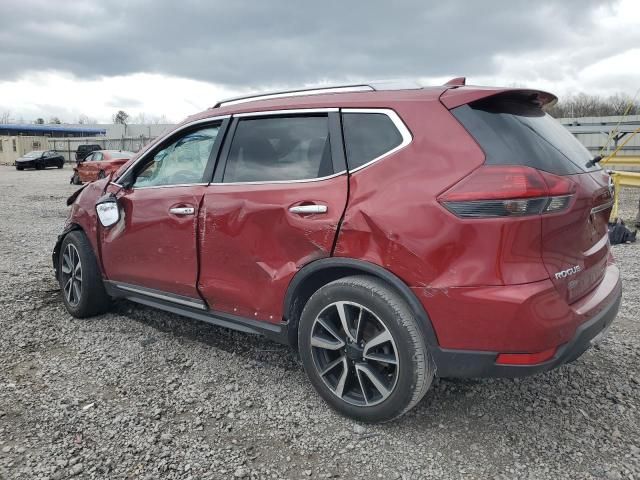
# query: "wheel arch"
(314, 275)
(55, 255)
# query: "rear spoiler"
(454, 97)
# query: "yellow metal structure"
(623, 161)
(622, 179)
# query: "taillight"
(507, 191)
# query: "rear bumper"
(540, 326)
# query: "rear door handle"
(308, 209)
(182, 210)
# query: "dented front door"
(254, 237)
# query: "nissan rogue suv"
(390, 236)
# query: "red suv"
(388, 235)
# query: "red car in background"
(99, 164)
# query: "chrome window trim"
(169, 134)
(407, 138)
(304, 180)
(293, 111)
(176, 185)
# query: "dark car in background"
(40, 159)
(84, 150)
(99, 164)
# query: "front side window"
(368, 136)
(182, 162)
(279, 149)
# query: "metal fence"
(68, 146)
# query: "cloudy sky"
(173, 58)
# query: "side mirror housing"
(108, 210)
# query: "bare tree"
(121, 117)
(55, 121)
(140, 119)
(39, 121)
(86, 120)
(5, 117)
(159, 120)
(583, 105)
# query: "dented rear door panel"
(251, 244)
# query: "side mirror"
(108, 210)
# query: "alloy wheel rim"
(354, 354)
(71, 275)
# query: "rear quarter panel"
(394, 220)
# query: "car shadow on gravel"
(246, 345)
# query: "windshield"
(34, 154)
(515, 132)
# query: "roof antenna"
(456, 82)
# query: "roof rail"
(294, 93)
(361, 87)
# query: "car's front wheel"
(75, 179)
(363, 350)
(19, 168)
(80, 280)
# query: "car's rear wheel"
(101, 174)
(80, 280)
(363, 350)
(60, 164)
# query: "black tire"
(39, 166)
(75, 179)
(101, 174)
(414, 370)
(60, 164)
(92, 299)
(19, 168)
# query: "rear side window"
(368, 136)
(512, 131)
(279, 149)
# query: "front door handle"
(182, 210)
(308, 209)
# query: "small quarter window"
(279, 149)
(368, 136)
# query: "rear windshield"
(512, 131)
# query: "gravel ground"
(139, 393)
